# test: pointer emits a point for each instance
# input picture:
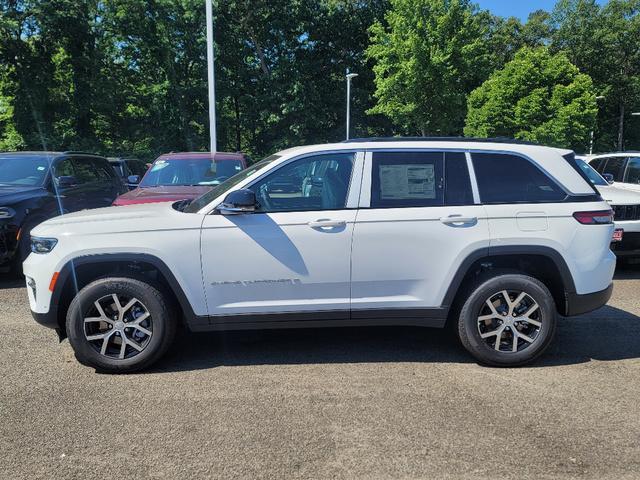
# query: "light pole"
(599, 97)
(213, 146)
(349, 77)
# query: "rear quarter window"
(508, 178)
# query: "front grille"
(626, 212)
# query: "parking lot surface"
(335, 403)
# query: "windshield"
(23, 170)
(181, 171)
(211, 195)
(594, 177)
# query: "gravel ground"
(335, 403)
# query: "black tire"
(161, 314)
(484, 349)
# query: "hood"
(617, 195)
(632, 187)
(11, 194)
(161, 194)
(110, 220)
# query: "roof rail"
(77, 152)
(440, 139)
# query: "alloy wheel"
(510, 321)
(118, 326)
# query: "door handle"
(451, 219)
(327, 223)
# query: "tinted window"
(504, 178)
(64, 168)
(407, 179)
(85, 170)
(615, 166)
(633, 170)
(103, 170)
(598, 163)
(136, 168)
(457, 182)
(313, 183)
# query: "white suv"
(493, 238)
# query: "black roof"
(440, 139)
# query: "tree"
(428, 56)
(538, 97)
(603, 42)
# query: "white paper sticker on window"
(407, 181)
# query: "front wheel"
(120, 325)
(508, 320)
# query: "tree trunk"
(621, 128)
(236, 105)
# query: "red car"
(180, 176)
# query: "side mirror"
(238, 202)
(608, 177)
(66, 181)
(133, 179)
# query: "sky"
(518, 8)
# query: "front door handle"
(327, 223)
(457, 219)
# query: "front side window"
(313, 183)
(633, 171)
(615, 166)
(505, 178)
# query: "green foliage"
(124, 77)
(538, 97)
(428, 56)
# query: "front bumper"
(577, 304)
(8, 243)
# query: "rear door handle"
(451, 219)
(327, 223)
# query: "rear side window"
(85, 170)
(615, 166)
(419, 179)
(504, 178)
(633, 171)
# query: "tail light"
(600, 217)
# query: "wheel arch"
(544, 263)
(80, 271)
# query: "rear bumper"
(577, 304)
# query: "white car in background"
(621, 168)
(625, 202)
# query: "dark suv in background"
(126, 167)
(36, 186)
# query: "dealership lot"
(338, 403)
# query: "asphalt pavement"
(334, 403)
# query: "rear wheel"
(120, 325)
(508, 320)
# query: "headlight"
(6, 212)
(42, 245)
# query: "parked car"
(496, 238)
(621, 168)
(36, 186)
(126, 167)
(626, 209)
(179, 176)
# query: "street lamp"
(599, 97)
(349, 77)
(211, 78)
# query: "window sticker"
(159, 165)
(407, 181)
